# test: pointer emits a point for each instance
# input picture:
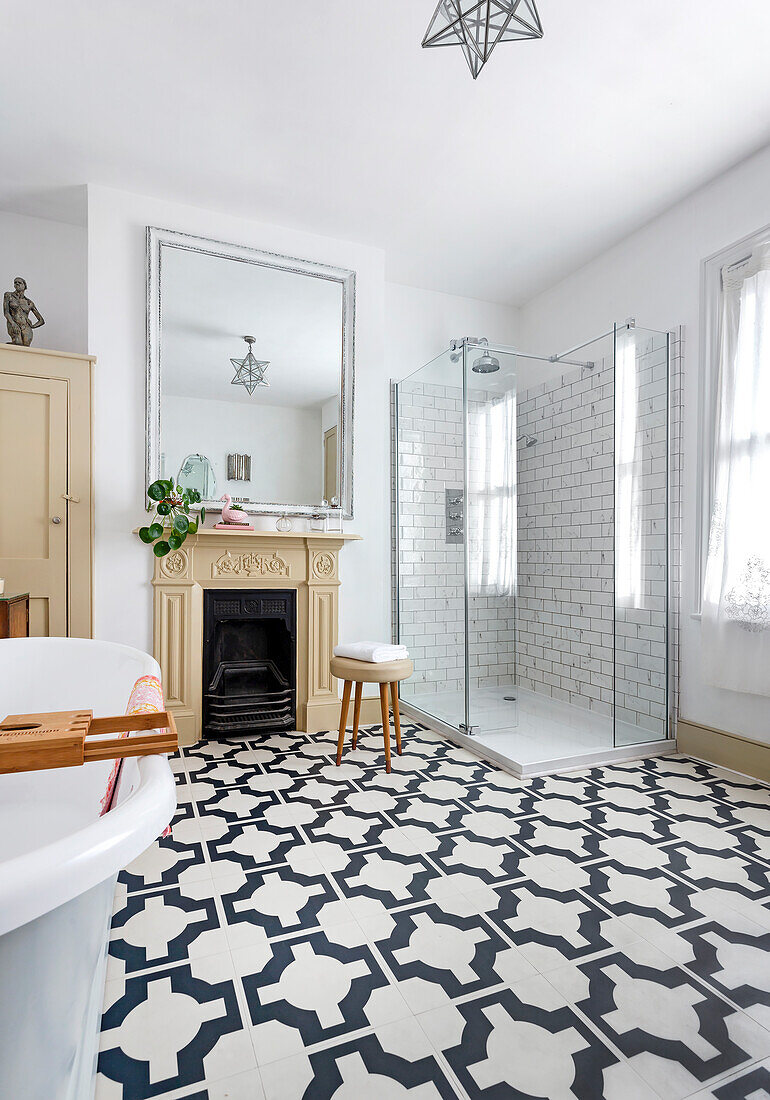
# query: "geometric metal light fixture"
(478, 25)
(249, 372)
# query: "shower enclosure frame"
(464, 732)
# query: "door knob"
(55, 519)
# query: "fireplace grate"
(249, 663)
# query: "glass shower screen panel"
(641, 535)
(430, 533)
(490, 518)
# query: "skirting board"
(729, 750)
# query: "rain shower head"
(527, 440)
(486, 364)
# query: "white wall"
(290, 438)
(51, 256)
(397, 329)
(420, 323)
(654, 276)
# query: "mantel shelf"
(209, 532)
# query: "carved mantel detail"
(175, 564)
(307, 562)
(323, 565)
(250, 565)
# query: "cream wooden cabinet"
(45, 486)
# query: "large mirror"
(250, 375)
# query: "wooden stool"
(366, 672)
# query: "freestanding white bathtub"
(58, 864)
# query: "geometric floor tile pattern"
(443, 931)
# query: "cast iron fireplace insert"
(249, 662)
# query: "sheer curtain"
(736, 592)
(492, 496)
(628, 465)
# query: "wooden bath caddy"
(63, 739)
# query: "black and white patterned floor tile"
(389, 1062)
(731, 956)
(675, 1032)
(165, 926)
(232, 803)
(749, 1084)
(174, 859)
(443, 950)
(577, 788)
(516, 801)
(692, 807)
(724, 869)
(647, 895)
(350, 829)
(525, 1042)
(315, 987)
(544, 835)
(616, 822)
(490, 860)
(386, 877)
(447, 930)
(279, 901)
(173, 1027)
(418, 809)
(552, 926)
(251, 844)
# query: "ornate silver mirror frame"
(157, 241)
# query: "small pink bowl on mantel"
(232, 517)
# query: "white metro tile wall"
(432, 611)
(566, 625)
(565, 551)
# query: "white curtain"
(736, 593)
(492, 496)
(628, 467)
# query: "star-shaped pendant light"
(478, 25)
(249, 372)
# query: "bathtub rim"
(41, 880)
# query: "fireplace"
(249, 662)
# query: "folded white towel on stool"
(375, 652)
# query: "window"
(736, 574)
(711, 302)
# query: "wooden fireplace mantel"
(307, 561)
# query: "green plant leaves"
(173, 501)
(157, 490)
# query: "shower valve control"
(455, 515)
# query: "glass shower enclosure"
(531, 520)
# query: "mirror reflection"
(251, 361)
(196, 472)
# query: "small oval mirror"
(196, 472)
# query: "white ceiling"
(211, 303)
(326, 114)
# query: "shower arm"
(456, 347)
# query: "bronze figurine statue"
(16, 310)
